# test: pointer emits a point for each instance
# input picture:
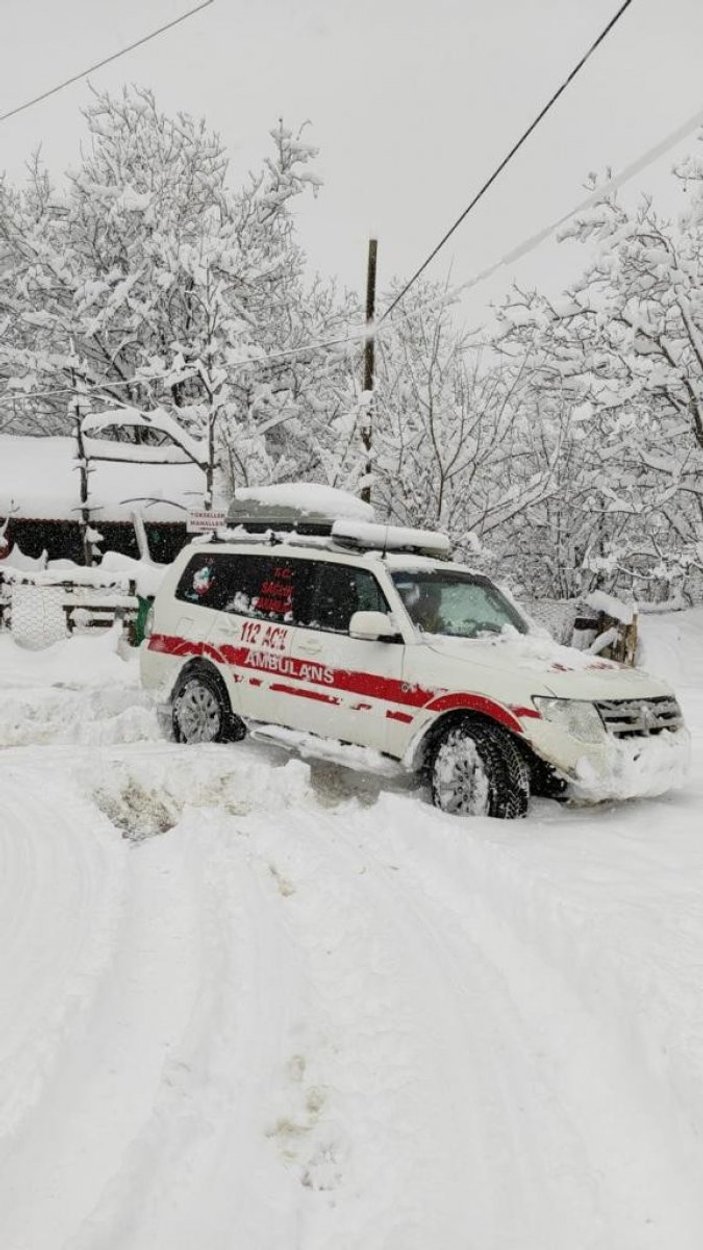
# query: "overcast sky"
(411, 102)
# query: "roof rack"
(258, 517)
(284, 524)
(370, 535)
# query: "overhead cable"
(20, 108)
(517, 253)
(354, 336)
(596, 196)
(506, 159)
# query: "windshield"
(460, 605)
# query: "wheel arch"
(235, 727)
(199, 664)
(497, 756)
(419, 753)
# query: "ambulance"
(353, 632)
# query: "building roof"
(39, 479)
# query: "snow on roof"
(39, 480)
(612, 607)
(182, 445)
(308, 497)
(392, 537)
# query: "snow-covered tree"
(170, 288)
(623, 350)
(451, 443)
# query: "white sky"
(412, 103)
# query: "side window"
(203, 580)
(303, 592)
(371, 597)
(270, 588)
(339, 591)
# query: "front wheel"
(201, 711)
(476, 769)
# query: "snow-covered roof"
(39, 479)
(180, 446)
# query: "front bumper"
(616, 768)
(634, 768)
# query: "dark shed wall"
(62, 539)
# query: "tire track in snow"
(426, 1057)
(104, 1073)
(101, 1062)
(627, 1146)
(60, 886)
(199, 1171)
(546, 1107)
(303, 1027)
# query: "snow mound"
(77, 691)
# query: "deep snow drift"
(253, 1003)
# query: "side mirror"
(373, 627)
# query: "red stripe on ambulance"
(348, 681)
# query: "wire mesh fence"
(557, 616)
(37, 616)
(39, 610)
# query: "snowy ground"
(246, 1004)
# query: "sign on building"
(205, 522)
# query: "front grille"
(640, 718)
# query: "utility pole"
(366, 429)
(83, 469)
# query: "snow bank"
(80, 690)
(79, 662)
(671, 645)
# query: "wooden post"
(83, 475)
(367, 427)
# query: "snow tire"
(201, 710)
(477, 769)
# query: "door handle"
(310, 648)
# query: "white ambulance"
(368, 634)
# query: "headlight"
(577, 716)
(149, 622)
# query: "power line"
(506, 159)
(354, 336)
(528, 245)
(106, 61)
(597, 195)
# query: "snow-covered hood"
(550, 668)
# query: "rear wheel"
(476, 769)
(201, 710)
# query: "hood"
(555, 670)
